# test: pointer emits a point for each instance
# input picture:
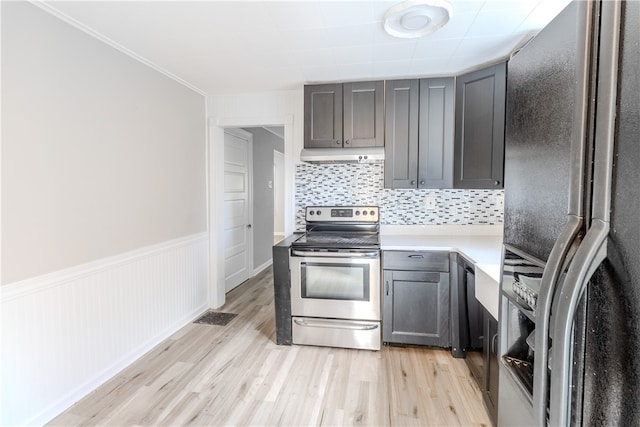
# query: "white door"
(237, 210)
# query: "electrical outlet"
(431, 203)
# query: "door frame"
(215, 189)
(278, 190)
(248, 137)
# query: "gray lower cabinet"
(419, 125)
(491, 366)
(416, 298)
(344, 115)
(479, 128)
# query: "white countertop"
(481, 245)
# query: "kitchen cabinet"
(490, 359)
(416, 298)
(344, 115)
(419, 123)
(479, 128)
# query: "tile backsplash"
(356, 184)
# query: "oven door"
(336, 285)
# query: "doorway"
(215, 156)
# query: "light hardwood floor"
(237, 375)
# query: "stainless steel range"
(335, 278)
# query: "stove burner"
(340, 227)
(352, 240)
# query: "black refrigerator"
(570, 287)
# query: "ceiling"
(243, 46)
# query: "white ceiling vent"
(417, 18)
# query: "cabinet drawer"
(415, 260)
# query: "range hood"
(343, 155)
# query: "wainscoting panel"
(65, 333)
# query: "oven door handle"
(372, 254)
(336, 324)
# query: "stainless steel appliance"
(570, 297)
(335, 278)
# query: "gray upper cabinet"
(435, 149)
(363, 114)
(419, 133)
(323, 116)
(401, 134)
(479, 128)
(344, 115)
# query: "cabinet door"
(401, 134)
(479, 138)
(416, 308)
(323, 116)
(363, 115)
(435, 148)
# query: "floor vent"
(215, 318)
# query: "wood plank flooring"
(237, 375)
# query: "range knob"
(312, 213)
(318, 212)
(357, 213)
(372, 213)
(364, 212)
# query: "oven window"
(335, 281)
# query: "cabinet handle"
(347, 141)
(494, 344)
(337, 142)
(421, 182)
(386, 287)
(413, 183)
(416, 256)
(496, 182)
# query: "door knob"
(248, 225)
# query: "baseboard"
(68, 332)
(263, 267)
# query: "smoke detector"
(417, 18)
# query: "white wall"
(101, 154)
(104, 230)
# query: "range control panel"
(342, 213)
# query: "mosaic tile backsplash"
(356, 184)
